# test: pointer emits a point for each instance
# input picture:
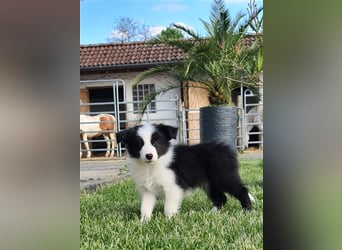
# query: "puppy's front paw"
(214, 209)
(171, 213)
(145, 219)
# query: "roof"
(137, 53)
(126, 55)
(250, 39)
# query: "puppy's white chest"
(147, 178)
(151, 184)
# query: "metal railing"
(171, 116)
(172, 112)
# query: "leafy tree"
(168, 34)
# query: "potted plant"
(218, 62)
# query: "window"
(140, 92)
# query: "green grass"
(110, 219)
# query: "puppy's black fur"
(212, 166)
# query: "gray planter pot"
(219, 124)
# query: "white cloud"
(156, 30)
(185, 25)
(114, 34)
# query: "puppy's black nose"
(149, 156)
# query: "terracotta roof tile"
(117, 54)
(112, 54)
(250, 39)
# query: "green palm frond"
(187, 31)
(260, 60)
(220, 61)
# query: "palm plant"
(219, 62)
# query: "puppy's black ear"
(169, 131)
(125, 135)
(122, 136)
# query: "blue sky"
(97, 16)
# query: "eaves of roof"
(124, 66)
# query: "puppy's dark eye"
(155, 138)
(139, 142)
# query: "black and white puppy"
(162, 169)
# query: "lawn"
(110, 219)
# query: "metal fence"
(128, 117)
(252, 121)
(249, 123)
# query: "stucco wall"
(159, 81)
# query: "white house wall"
(159, 81)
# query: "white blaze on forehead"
(145, 132)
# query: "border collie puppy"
(161, 169)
